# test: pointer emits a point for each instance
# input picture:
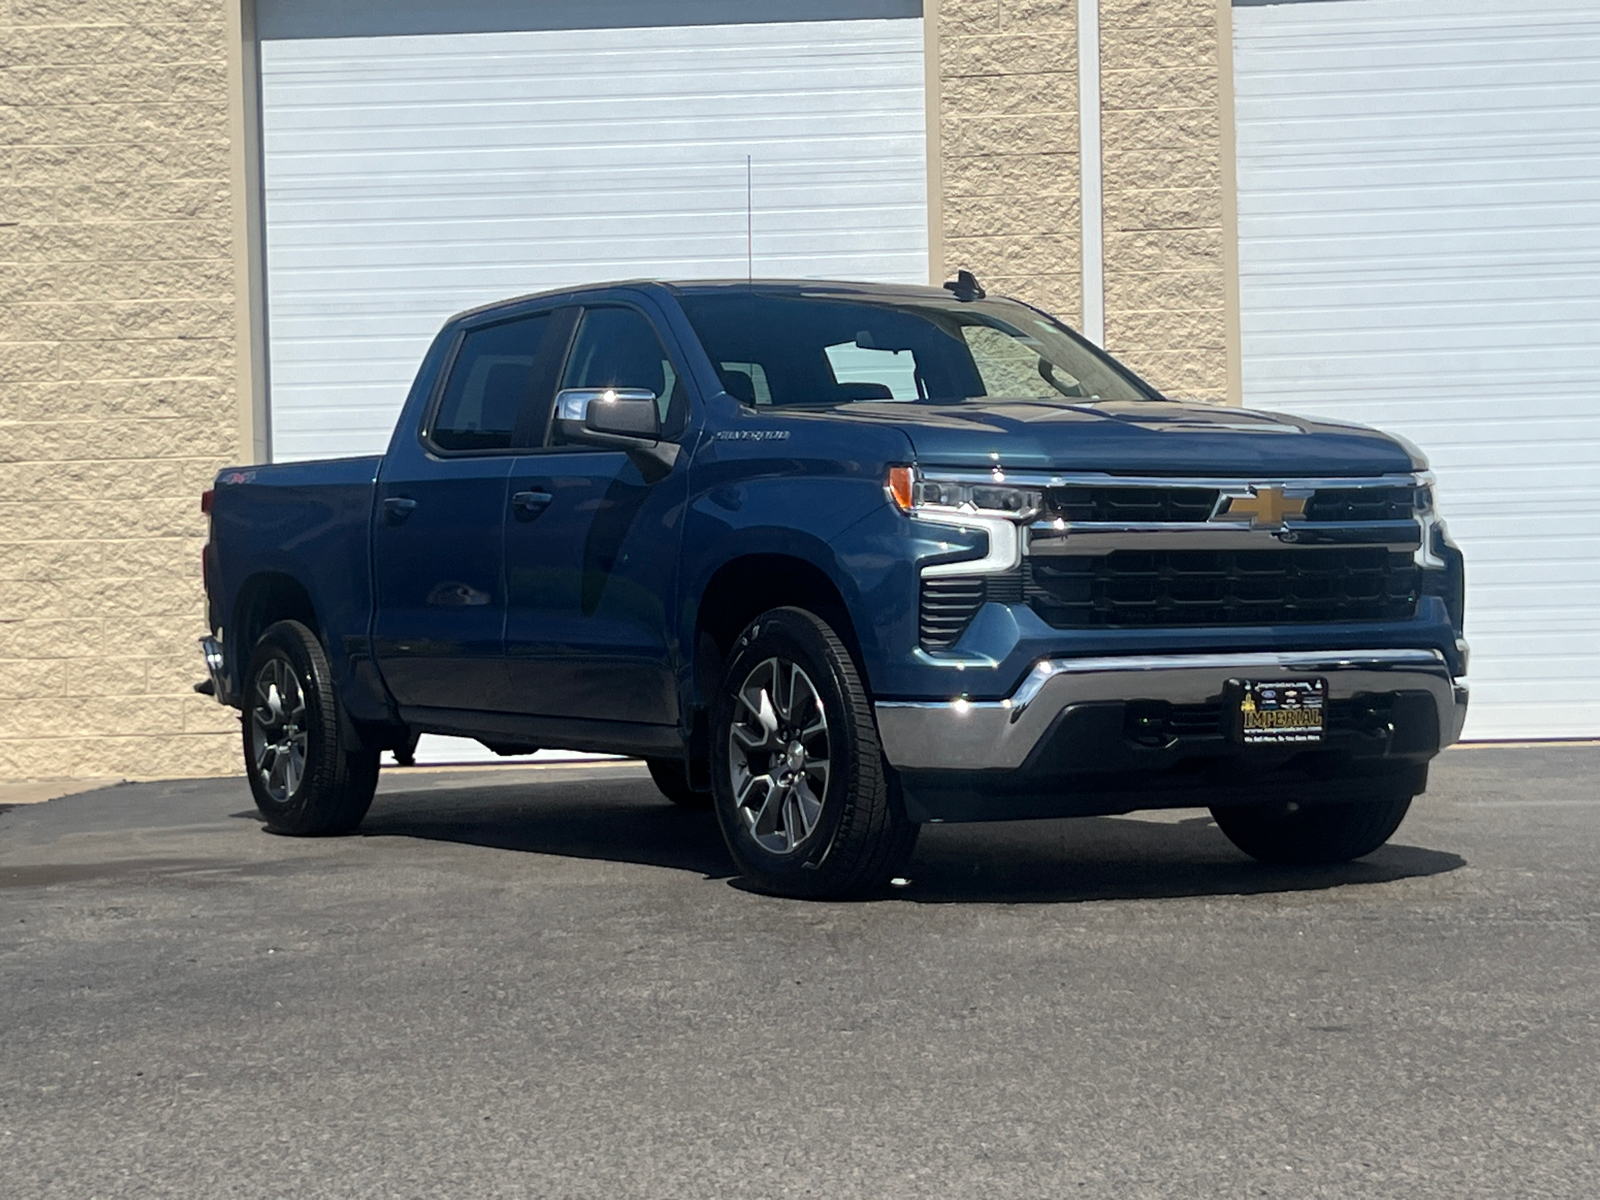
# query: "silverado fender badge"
(752, 435)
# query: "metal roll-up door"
(422, 158)
(1419, 248)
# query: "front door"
(591, 548)
(438, 531)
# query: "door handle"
(531, 503)
(398, 508)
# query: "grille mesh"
(1361, 504)
(1080, 503)
(1130, 503)
(1227, 587)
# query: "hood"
(1137, 438)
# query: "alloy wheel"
(778, 755)
(278, 735)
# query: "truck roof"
(700, 286)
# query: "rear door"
(437, 542)
(592, 546)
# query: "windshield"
(794, 349)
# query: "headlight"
(913, 491)
(1434, 533)
(975, 502)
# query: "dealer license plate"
(1280, 712)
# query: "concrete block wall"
(1161, 139)
(1008, 139)
(117, 369)
(1008, 148)
(118, 311)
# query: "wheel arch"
(264, 599)
(744, 587)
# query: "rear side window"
(492, 379)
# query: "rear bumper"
(1063, 742)
(216, 668)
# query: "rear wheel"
(672, 778)
(1290, 834)
(303, 778)
(803, 796)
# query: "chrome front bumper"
(963, 735)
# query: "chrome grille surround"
(1180, 551)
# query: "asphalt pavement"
(547, 982)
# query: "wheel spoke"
(765, 821)
(742, 794)
(808, 806)
(293, 769)
(752, 739)
(765, 715)
(275, 777)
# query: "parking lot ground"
(546, 982)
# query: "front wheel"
(1288, 834)
(801, 791)
(304, 780)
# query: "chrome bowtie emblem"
(1266, 507)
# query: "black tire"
(304, 780)
(672, 778)
(1286, 834)
(858, 835)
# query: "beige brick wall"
(1162, 154)
(1008, 147)
(1008, 142)
(117, 311)
(116, 381)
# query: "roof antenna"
(966, 287)
(749, 222)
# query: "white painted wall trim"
(1089, 173)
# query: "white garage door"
(424, 157)
(1419, 222)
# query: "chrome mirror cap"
(572, 404)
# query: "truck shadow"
(1127, 858)
(1039, 862)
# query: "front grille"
(1361, 504)
(1120, 504)
(1080, 503)
(1223, 587)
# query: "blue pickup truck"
(838, 560)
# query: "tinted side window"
(491, 380)
(618, 347)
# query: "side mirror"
(621, 418)
(617, 412)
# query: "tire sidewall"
(284, 642)
(784, 633)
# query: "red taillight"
(205, 501)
